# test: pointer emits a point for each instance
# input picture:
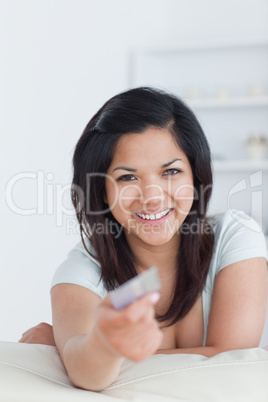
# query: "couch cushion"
(35, 373)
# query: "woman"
(141, 186)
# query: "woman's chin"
(156, 241)
(152, 235)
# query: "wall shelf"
(242, 101)
(204, 45)
(240, 165)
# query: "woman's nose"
(151, 194)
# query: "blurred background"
(62, 59)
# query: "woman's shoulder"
(233, 220)
(84, 250)
(81, 268)
(237, 237)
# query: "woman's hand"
(41, 334)
(132, 332)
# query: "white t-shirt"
(237, 238)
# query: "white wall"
(60, 60)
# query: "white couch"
(34, 373)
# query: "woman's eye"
(171, 172)
(126, 177)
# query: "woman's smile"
(152, 219)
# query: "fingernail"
(155, 297)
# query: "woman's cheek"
(127, 195)
(184, 196)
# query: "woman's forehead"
(151, 143)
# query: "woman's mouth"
(153, 218)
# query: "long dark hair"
(134, 111)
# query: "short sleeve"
(240, 238)
(237, 237)
(80, 268)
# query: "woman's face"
(149, 186)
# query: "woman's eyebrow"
(125, 168)
(134, 170)
(170, 163)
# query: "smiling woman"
(142, 174)
(127, 149)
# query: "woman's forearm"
(207, 351)
(90, 363)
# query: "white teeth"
(152, 217)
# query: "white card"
(147, 282)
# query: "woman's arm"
(93, 338)
(40, 334)
(238, 309)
